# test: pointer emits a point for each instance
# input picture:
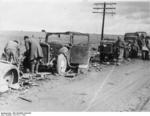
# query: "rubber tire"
(135, 53)
(102, 57)
(61, 65)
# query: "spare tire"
(61, 64)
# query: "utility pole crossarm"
(103, 8)
(112, 3)
(105, 12)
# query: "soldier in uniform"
(145, 48)
(33, 52)
(12, 51)
(120, 45)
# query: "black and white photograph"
(74, 56)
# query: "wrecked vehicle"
(140, 33)
(64, 51)
(108, 50)
(9, 74)
(132, 40)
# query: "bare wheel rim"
(61, 64)
(9, 78)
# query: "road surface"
(114, 88)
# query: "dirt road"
(114, 88)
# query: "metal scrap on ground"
(25, 99)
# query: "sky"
(73, 15)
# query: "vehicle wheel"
(102, 57)
(136, 54)
(11, 77)
(61, 64)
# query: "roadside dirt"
(106, 88)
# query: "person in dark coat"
(145, 49)
(120, 45)
(33, 52)
(12, 51)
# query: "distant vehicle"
(108, 50)
(66, 50)
(148, 37)
(139, 33)
(132, 39)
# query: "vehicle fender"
(5, 67)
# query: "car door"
(45, 48)
(80, 54)
(80, 51)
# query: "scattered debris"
(14, 86)
(71, 75)
(108, 63)
(25, 99)
(118, 64)
(29, 80)
(95, 66)
(141, 106)
(83, 101)
(83, 94)
(111, 83)
(34, 84)
(42, 76)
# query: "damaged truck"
(64, 51)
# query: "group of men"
(33, 53)
(143, 44)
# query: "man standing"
(120, 45)
(33, 52)
(12, 51)
(145, 49)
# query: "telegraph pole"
(103, 7)
(103, 21)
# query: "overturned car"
(64, 51)
(9, 74)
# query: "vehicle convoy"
(64, 51)
(132, 40)
(108, 50)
